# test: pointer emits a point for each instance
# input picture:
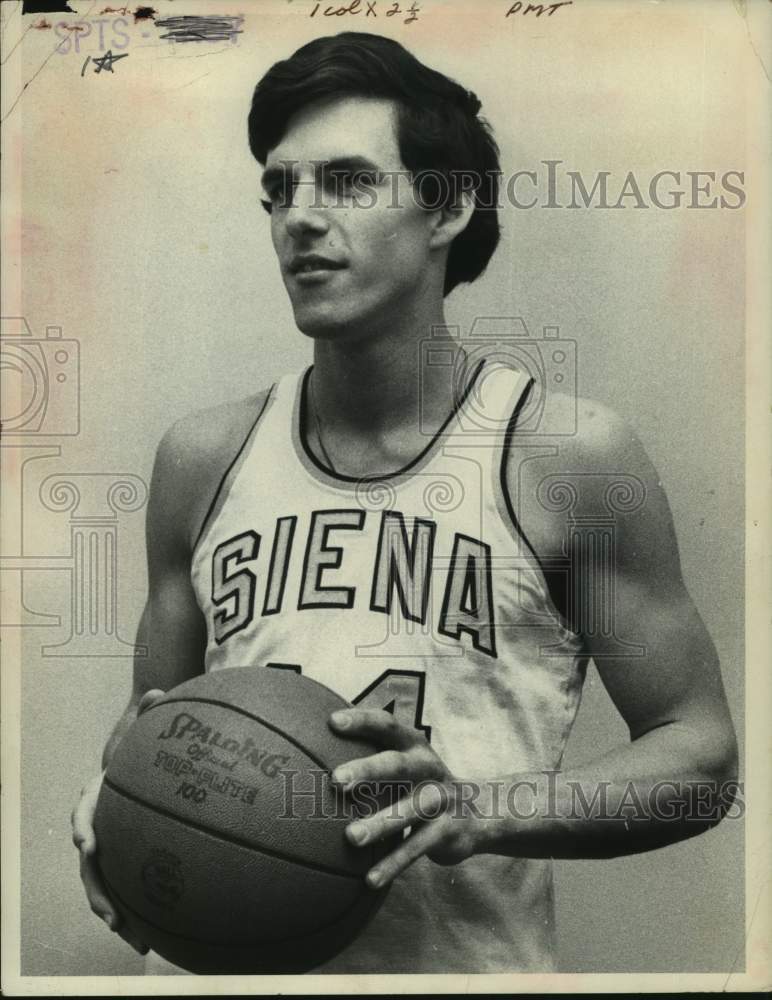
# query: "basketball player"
(302, 525)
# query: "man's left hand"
(440, 828)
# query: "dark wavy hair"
(439, 131)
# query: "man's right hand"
(83, 837)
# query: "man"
(299, 526)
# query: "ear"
(451, 219)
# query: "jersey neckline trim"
(299, 423)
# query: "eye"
(366, 178)
(340, 181)
(362, 179)
(336, 181)
(278, 194)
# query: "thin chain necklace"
(317, 424)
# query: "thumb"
(149, 698)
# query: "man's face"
(352, 243)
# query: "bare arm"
(171, 628)
(682, 742)
(674, 779)
(173, 633)
(189, 464)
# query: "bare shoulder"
(204, 435)
(605, 440)
(603, 470)
(191, 459)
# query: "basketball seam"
(230, 942)
(229, 837)
(249, 715)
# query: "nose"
(306, 212)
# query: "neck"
(385, 380)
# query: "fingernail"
(342, 776)
(109, 920)
(375, 878)
(357, 833)
(340, 719)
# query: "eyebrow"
(277, 174)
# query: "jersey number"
(400, 692)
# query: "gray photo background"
(143, 241)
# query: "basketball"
(220, 837)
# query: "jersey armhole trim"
(514, 521)
(507, 444)
(224, 478)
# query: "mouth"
(311, 266)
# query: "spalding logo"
(187, 726)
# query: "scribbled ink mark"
(140, 14)
(189, 28)
(46, 7)
(104, 62)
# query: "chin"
(315, 326)
(324, 324)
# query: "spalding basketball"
(220, 837)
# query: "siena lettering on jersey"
(403, 568)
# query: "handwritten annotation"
(104, 62)
(369, 8)
(538, 9)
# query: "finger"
(148, 699)
(97, 897)
(139, 946)
(418, 763)
(376, 725)
(82, 818)
(412, 848)
(426, 803)
(82, 830)
(387, 766)
(102, 907)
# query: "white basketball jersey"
(414, 592)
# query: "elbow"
(709, 773)
(722, 762)
(720, 766)
(708, 750)
(729, 770)
(730, 761)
